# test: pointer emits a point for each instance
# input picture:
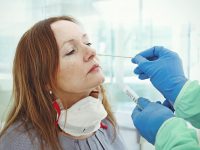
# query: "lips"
(94, 67)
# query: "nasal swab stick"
(126, 89)
(114, 56)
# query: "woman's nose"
(90, 53)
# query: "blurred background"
(115, 27)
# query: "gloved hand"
(149, 120)
(164, 68)
(169, 105)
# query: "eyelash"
(89, 44)
(72, 51)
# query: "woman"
(57, 92)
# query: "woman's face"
(79, 70)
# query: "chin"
(99, 80)
(102, 80)
(96, 79)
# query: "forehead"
(66, 30)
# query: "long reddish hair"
(35, 66)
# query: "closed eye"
(89, 44)
(71, 52)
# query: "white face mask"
(82, 118)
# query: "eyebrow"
(71, 40)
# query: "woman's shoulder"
(16, 137)
(113, 135)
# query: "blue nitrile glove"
(169, 105)
(149, 120)
(164, 68)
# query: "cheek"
(70, 76)
(65, 74)
(69, 68)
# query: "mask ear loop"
(57, 106)
(58, 110)
(100, 97)
(103, 126)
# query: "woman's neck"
(69, 99)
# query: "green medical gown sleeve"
(175, 134)
(187, 104)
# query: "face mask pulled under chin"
(82, 118)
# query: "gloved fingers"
(138, 59)
(143, 76)
(154, 52)
(161, 51)
(143, 102)
(150, 53)
(137, 70)
(159, 102)
(169, 105)
(136, 112)
(152, 58)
